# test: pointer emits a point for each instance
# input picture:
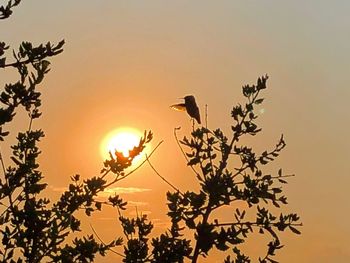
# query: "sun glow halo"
(122, 140)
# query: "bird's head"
(189, 99)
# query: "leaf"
(294, 230)
(98, 205)
(2, 62)
(15, 160)
(237, 212)
(193, 161)
(282, 181)
(259, 101)
(273, 261)
(119, 241)
(277, 190)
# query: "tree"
(208, 153)
(33, 229)
(36, 229)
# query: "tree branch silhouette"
(183, 152)
(161, 177)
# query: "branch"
(31, 60)
(209, 150)
(115, 252)
(132, 171)
(161, 177)
(252, 224)
(183, 152)
(2, 164)
(11, 201)
(272, 177)
(222, 166)
(235, 138)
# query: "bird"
(190, 107)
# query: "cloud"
(137, 203)
(140, 212)
(58, 189)
(122, 190)
(113, 190)
(107, 218)
(161, 223)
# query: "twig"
(209, 149)
(30, 122)
(105, 173)
(206, 116)
(15, 200)
(252, 224)
(2, 164)
(29, 60)
(161, 177)
(219, 205)
(183, 152)
(132, 171)
(115, 252)
(234, 139)
(272, 177)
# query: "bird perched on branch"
(190, 106)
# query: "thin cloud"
(107, 218)
(123, 190)
(111, 191)
(137, 203)
(58, 189)
(161, 223)
(140, 212)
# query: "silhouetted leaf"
(294, 230)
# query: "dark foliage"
(33, 229)
(6, 10)
(241, 184)
(221, 184)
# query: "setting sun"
(122, 140)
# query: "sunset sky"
(126, 62)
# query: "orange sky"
(125, 62)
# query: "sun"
(122, 140)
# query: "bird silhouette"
(190, 106)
